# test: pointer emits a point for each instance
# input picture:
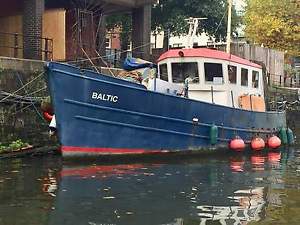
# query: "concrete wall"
(54, 28)
(10, 24)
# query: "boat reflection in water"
(224, 190)
(250, 205)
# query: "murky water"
(232, 189)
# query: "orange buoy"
(257, 144)
(47, 116)
(274, 142)
(237, 144)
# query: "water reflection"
(250, 203)
(236, 189)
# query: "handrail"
(284, 80)
(15, 42)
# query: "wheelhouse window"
(255, 79)
(181, 71)
(163, 72)
(232, 74)
(244, 77)
(213, 72)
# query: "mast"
(228, 39)
(194, 23)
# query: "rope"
(3, 99)
(219, 23)
(104, 57)
(88, 58)
(105, 64)
(36, 110)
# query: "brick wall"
(32, 28)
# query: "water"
(232, 189)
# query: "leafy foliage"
(274, 23)
(13, 146)
(170, 15)
(124, 23)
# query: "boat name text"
(105, 97)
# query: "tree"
(124, 23)
(274, 24)
(169, 15)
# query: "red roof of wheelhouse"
(207, 53)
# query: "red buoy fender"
(274, 142)
(237, 144)
(257, 144)
(47, 116)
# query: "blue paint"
(143, 119)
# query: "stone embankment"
(22, 87)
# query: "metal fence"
(284, 81)
(11, 45)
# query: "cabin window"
(163, 72)
(232, 74)
(244, 77)
(213, 72)
(255, 79)
(181, 71)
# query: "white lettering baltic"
(105, 97)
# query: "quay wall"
(21, 119)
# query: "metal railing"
(11, 45)
(284, 81)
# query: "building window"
(107, 43)
(181, 71)
(163, 72)
(255, 79)
(232, 74)
(244, 77)
(213, 72)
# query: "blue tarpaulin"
(136, 63)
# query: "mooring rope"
(21, 88)
(32, 103)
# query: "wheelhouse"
(215, 77)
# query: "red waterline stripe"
(107, 150)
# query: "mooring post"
(251, 102)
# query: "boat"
(220, 99)
(200, 100)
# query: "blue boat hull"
(98, 114)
